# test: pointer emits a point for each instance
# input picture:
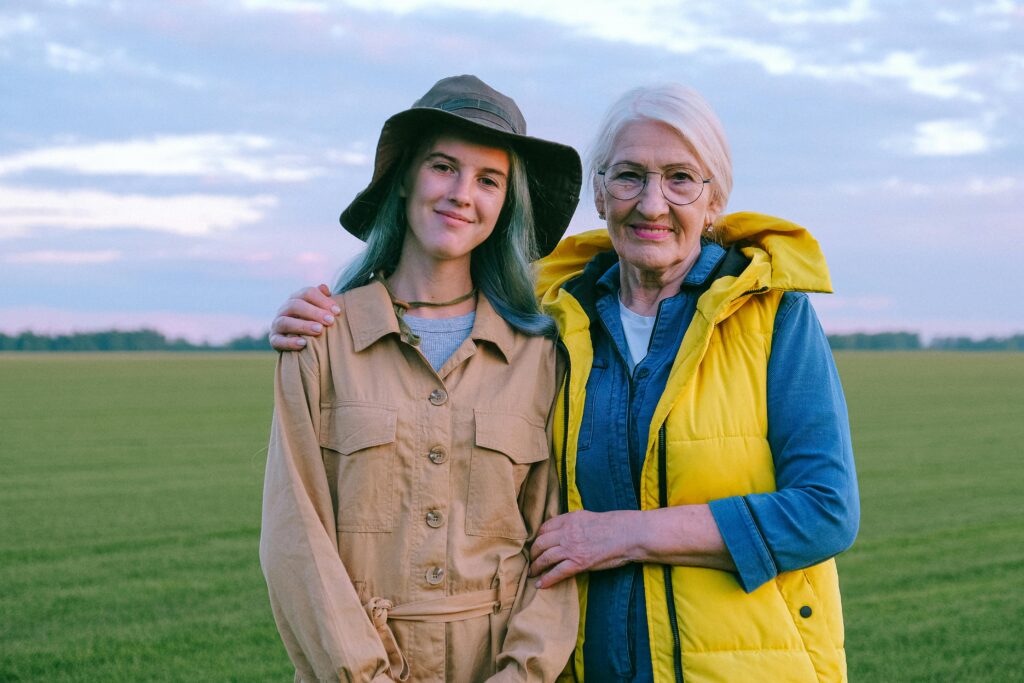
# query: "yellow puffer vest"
(708, 440)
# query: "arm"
(815, 511)
(324, 627)
(543, 626)
(586, 541)
(302, 315)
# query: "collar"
(370, 317)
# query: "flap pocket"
(522, 441)
(350, 427)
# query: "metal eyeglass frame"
(646, 173)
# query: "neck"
(434, 281)
(642, 290)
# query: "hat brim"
(553, 170)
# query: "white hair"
(683, 109)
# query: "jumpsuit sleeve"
(542, 629)
(325, 629)
(815, 511)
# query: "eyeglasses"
(681, 185)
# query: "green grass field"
(130, 494)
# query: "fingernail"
(335, 310)
(328, 319)
(537, 584)
(302, 341)
(317, 328)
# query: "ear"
(714, 210)
(599, 197)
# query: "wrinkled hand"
(303, 315)
(581, 541)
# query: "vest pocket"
(505, 446)
(357, 443)
(595, 389)
(807, 612)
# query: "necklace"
(402, 306)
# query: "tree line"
(117, 340)
(911, 341)
(151, 340)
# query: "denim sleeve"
(815, 511)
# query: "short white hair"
(686, 111)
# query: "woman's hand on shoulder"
(303, 315)
(581, 541)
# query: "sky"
(181, 165)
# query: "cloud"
(47, 257)
(973, 186)
(949, 138)
(935, 81)
(17, 25)
(78, 61)
(289, 6)
(71, 59)
(691, 29)
(856, 12)
(24, 210)
(946, 138)
(245, 157)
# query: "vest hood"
(784, 254)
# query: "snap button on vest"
(805, 611)
(435, 575)
(437, 455)
(438, 397)
(435, 518)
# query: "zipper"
(677, 652)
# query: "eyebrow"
(456, 162)
(681, 164)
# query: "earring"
(600, 214)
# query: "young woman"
(409, 468)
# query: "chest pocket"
(358, 448)
(505, 447)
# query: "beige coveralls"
(399, 504)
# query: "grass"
(129, 518)
(932, 587)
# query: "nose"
(458, 192)
(651, 202)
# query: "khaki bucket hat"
(553, 170)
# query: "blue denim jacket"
(813, 515)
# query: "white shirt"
(638, 329)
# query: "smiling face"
(454, 192)
(652, 236)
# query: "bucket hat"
(465, 102)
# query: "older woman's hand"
(586, 541)
(303, 315)
(582, 541)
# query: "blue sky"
(181, 165)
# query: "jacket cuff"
(753, 560)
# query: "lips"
(651, 231)
(453, 216)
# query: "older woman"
(704, 450)
(409, 470)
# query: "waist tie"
(443, 609)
